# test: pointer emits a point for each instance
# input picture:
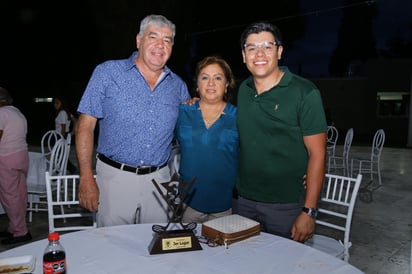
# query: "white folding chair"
(57, 166)
(47, 143)
(370, 165)
(336, 208)
(59, 158)
(62, 193)
(332, 139)
(342, 162)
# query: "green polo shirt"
(273, 157)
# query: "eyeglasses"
(268, 47)
(207, 241)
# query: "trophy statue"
(184, 239)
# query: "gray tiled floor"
(382, 229)
(382, 223)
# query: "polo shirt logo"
(276, 107)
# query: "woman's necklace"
(210, 118)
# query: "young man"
(282, 131)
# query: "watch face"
(312, 212)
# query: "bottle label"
(54, 267)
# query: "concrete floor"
(382, 224)
(382, 227)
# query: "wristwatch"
(312, 212)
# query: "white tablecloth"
(124, 249)
(36, 174)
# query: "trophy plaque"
(177, 240)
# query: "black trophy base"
(174, 241)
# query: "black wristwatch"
(312, 212)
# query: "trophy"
(177, 240)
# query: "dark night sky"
(45, 44)
(393, 19)
(50, 47)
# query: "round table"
(125, 249)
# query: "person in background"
(209, 143)
(135, 102)
(282, 130)
(14, 165)
(64, 118)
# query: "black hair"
(258, 27)
(5, 96)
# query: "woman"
(63, 116)
(14, 165)
(209, 143)
(62, 122)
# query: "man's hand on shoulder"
(191, 101)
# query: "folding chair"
(342, 162)
(48, 140)
(372, 164)
(336, 208)
(62, 192)
(332, 139)
(57, 166)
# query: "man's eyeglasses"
(268, 47)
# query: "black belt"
(140, 170)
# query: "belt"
(140, 170)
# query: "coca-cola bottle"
(54, 256)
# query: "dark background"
(51, 47)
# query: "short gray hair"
(5, 96)
(159, 21)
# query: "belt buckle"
(143, 170)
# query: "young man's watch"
(312, 212)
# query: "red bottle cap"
(54, 236)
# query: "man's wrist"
(311, 211)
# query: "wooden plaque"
(174, 241)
